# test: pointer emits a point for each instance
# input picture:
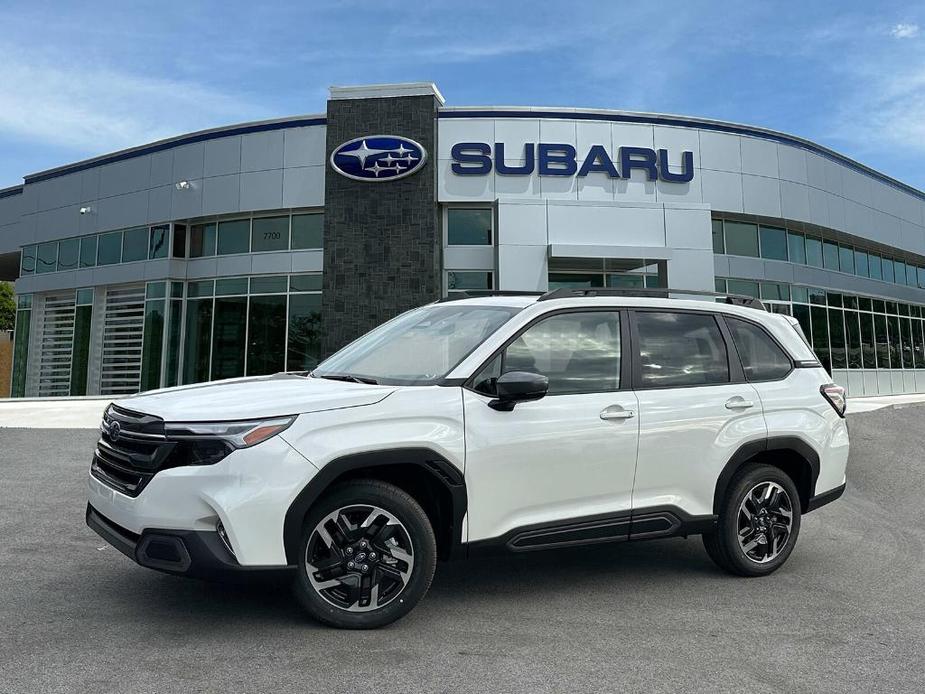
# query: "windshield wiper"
(350, 378)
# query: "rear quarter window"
(762, 358)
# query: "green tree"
(7, 306)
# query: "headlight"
(238, 434)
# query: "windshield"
(418, 347)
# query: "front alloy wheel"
(359, 558)
(367, 555)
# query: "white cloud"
(905, 31)
(92, 109)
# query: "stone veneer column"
(382, 243)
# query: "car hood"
(253, 398)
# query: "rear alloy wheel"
(367, 556)
(758, 523)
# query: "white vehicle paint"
(619, 444)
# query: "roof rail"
(660, 293)
(479, 293)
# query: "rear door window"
(680, 349)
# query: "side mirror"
(518, 386)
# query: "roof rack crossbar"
(660, 293)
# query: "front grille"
(132, 448)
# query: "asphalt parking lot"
(845, 614)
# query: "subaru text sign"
(378, 158)
(559, 159)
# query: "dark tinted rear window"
(762, 358)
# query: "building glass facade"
(242, 252)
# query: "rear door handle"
(738, 403)
(617, 412)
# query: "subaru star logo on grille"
(378, 158)
(115, 430)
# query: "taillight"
(836, 397)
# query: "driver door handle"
(616, 412)
(738, 403)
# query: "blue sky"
(82, 79)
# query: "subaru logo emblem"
(115, 429)
(378, 158)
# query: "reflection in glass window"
(911, 279)
(743, 287)
(680, 349)
(892, 324)
(796, 248)
(27, 262)
(773, 243)
(578, 280)
(307, 230)
(820, 336)
(80, 352)
(719, 246)
(918, 344)
(881, 341)
(468, 227)
(887, 267)
(846, 259)
(197, 341)
(135, 245)
(837, 339)
(88, 251)
(234, 237)
(153, 345)
(853, 335)
(762, 359)
(462, 280)
(741, 239)
(304, 349)
(46, 257)
(899, 272)
(830, 255)
(577, 352)
(160, 240)
(269, 284)
(270, 234)
(266, 335)
(626, 280)
(68, 254)
(228, 337)
(860, 263)
(868, 346)
(813, 251)
(312, 282)
(202, 240)
(109, 250)
(875, 268)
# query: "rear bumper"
(826, 497)
(193, 553)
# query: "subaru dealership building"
(261, 247)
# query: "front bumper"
(248, 492)
(193, 553)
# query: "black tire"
(383, 570)
(724, 546)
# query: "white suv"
(513, 423)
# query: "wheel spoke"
(749, 546)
